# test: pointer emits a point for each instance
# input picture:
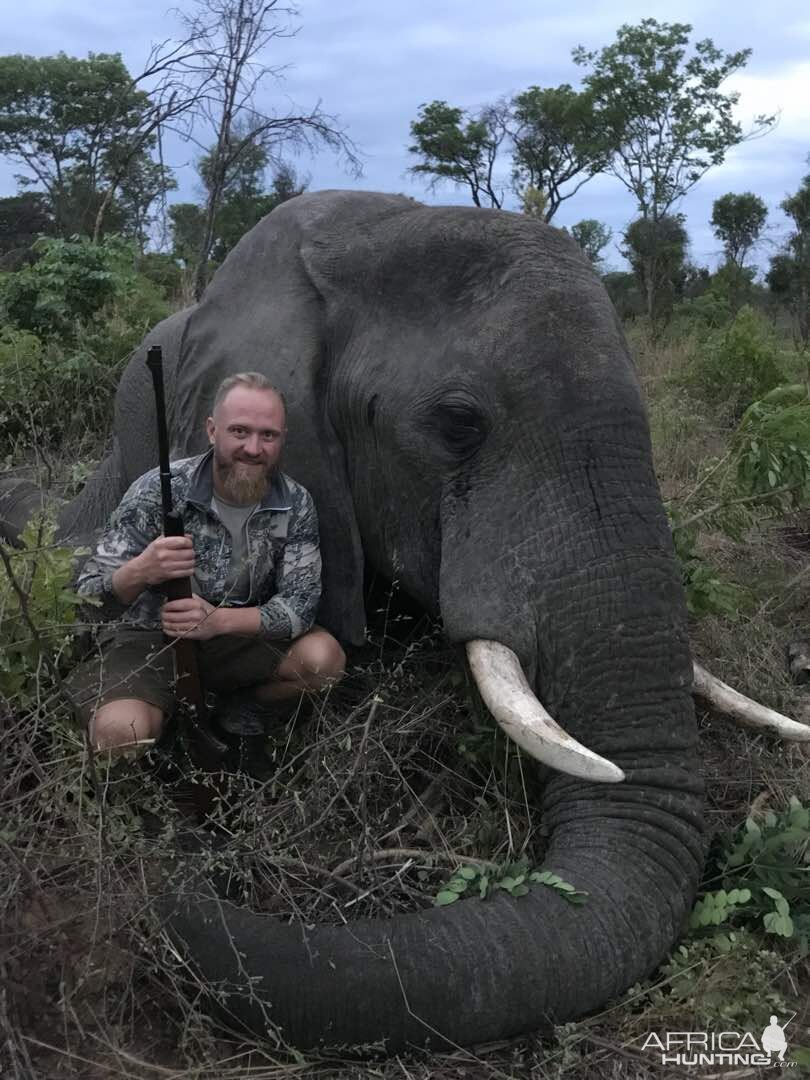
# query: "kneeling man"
(251, 549)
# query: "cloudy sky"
(372, 63)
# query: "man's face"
(247, 432)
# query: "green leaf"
(469, 873)
(445, 897)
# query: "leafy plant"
(765, 874)
(772, 446)
(706, 593)
(514, 878)
(738, 364)
(37, 607)
(69, 284)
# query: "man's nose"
(253, 445)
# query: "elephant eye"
(462, 427)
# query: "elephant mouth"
(508, 696)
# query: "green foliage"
(514, 878)
(77, 127)
(457, 147)
(738, 364)
(79, 311)
(664, 110)
(765, 873)
(706, 592)
(43, 573)
(593, 237)
(772, 447)
(241, 206)
(558, 138)
(656, 250)
(69, 284)
(725, 978)
(22, 219)
(738, 221)
(789, 275)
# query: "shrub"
(75, 316)
(772, 446)
(738, 364)
(37, 610)
(69, 284)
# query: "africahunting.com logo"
(723, 1047)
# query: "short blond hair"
(253, 380)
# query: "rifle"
(205, 747)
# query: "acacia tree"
(665, 112)
(223, 66)
(559, 142)
(738, 221)
(457, 146)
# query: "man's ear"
(263, 312)
(209, 429)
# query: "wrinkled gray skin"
(463, 407)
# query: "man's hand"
(165, 559)
(192, 618)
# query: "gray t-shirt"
(234, 518)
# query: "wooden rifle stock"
(205, 746)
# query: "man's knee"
(124, 722)
(316, 658)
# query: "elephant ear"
(263, 312)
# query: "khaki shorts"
(131, 663)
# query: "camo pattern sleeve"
(133, 525)
(291, 610)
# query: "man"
(251, 549)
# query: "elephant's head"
(463, 407)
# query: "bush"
(74, 318)
(772, 446)
(738, 364)
(69, 284)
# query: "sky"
(371, 63)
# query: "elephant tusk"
(743, 709)
(508, 696)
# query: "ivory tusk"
(508, 696)
(745, 710)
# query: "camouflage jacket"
(282, 549)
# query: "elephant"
(464, 409)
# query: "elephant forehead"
(446, 255)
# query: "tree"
(558, 140)
(459, 147)
(244, 204)
(789, 274)
(22, 219)
(666, 113)
(738, 221)
(222, 70)
(656, 250)
(83, 129)
(592, 236)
